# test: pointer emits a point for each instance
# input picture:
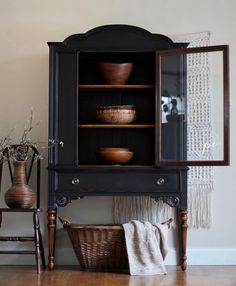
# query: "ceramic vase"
(20, 194)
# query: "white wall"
(25, 28)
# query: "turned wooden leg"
(184, 226)
(36, 236)
(51, 237)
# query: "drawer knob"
(75, 181)
(160, 181)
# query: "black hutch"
(158, 137)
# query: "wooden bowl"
(115, 156)
(114, 73)
(105, 149)
(118, 114)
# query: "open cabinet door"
(192, 98)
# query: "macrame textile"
(200, 179)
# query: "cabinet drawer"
(132, 182)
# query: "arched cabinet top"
(118, 37)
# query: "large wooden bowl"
(117, 114)
(114, 73)
(115, 156)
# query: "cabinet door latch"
(75, 181)
(160, 181)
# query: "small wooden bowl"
(114, 73)
(115, 156)
(118, 114)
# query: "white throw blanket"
(146, 247)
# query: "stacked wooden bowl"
(116, 114)
(115, 155)
(114, 73)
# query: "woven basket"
(98, 247)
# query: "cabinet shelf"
(115, 87)
(101, 167)
(107, 126)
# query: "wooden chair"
(36, 237)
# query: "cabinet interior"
(139, 90)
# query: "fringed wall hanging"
(200, 179)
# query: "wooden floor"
(71, 276)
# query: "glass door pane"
(193, 95)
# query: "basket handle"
(168, 222)
(63, 221)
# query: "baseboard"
(204, 257)
(66, 256)
(211, 256)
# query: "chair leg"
(41, 249)
(0, 219)
(37, 244)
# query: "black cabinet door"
(63, 106)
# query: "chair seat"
(17, 238)
(9, 210)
